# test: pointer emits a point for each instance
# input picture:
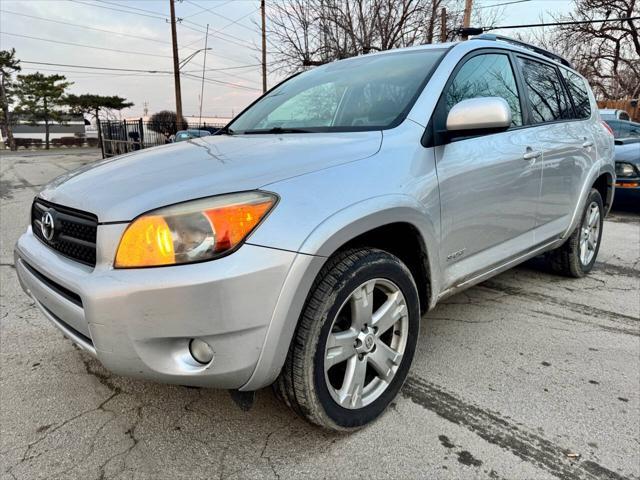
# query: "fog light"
(201, 351)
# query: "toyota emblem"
(47, 226)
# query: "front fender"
(366, 215)
(320, 244)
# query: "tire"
(569, 259)
(334, 329)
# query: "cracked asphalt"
(527, 375)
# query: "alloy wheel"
(589, 234)
(366, 343)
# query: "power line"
(151, 14)
(84, 46)
(112, 32)
(214, 34)
(190, 2)
(94, 67)
(161, 72)
(223, 72)
(209, 9)
(235, 22)
(107, 74)
(117, 9)
(253, 65)
(501, 4)
(94, 75)
(131, 52)
(220, 82)
(556, 24)
(128, 7)
(187, 45)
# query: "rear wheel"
(355, 341)
(576, 257)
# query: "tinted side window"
(578, 92)
(488, 75)
(546, 96)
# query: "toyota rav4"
(301, 244)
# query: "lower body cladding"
(142, 322)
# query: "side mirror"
(479, 114)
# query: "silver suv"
(300, 246)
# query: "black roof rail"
(528, 46)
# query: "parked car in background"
(628, 168)
(183, 135)
(301, 245)
(624, 128)
(613, 114)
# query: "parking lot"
(527, 375)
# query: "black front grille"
(74, 231)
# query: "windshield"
(365, 93)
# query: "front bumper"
(139, 322)
(627, 183)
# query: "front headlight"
(192, 231)
(625, 170)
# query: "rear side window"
(486, 75)
(547, 98)
(578, 92)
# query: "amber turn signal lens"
(232, 224)
(146, 242)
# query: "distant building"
(71, 126)
(207, 121)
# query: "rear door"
(566, 142)
(489, 184)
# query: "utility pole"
(443, 25)
(264, 46)
(466, 20)
(204, 66)
(176, 65)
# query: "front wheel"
(355, 341)
(576, 257)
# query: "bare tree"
(607, 53)
(312, 32)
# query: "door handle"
(587, 144)
(532, 155)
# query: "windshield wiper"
(277, 130)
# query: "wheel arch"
(394, 223)
(403, 240)
(605, 185)
(368, 223)
(601, 178)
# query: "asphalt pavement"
(525, 376)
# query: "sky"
(136, 34)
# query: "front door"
(489, 184)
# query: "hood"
(629, 152)
(121, 188)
